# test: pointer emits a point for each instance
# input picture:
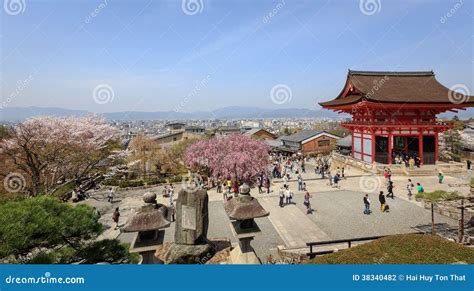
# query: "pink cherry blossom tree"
(237, 156)
(51, 149)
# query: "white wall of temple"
(362, 146)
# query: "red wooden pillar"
(420, 147)
(373, 147)
(362, 145)
(436, 146)
(352, 150)
(390, 148)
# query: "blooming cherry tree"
(49, 149)
(236, 156)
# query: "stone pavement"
(338, 211)
(292, 224)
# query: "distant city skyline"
(201, 55)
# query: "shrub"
(438, 195)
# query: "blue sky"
(156, 57)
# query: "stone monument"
(149, 223)
(192, 221)
(242, 211)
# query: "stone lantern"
(242, 210)
(149, 223)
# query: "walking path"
(338, 211)
(293, 226)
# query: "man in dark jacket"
(366, 204)
(390, 190)
(382, 201)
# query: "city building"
(309, 142)
(260, 133)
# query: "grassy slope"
(402, 249)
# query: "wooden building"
(260, 133)
(395, 113)
(309, 142)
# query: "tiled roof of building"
(394, 87)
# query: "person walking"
(260, 184)
(225, 195)
(288, 195)
(282, 197)
(219, 186)
(267, 184)
(410, 187)
(390, 190)
(110, 195)
(343, 174)
(173, 212)
(385, 175)
(171, 193)
(300, 182)
(440, 178)
(116, 217)
(307, 203)
(330, 178)
(336, 180)
(366, 204)
(382, 201)
(229, 186)
(236, 189)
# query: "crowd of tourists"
(410, 188)
(410, 161)
(284, 166)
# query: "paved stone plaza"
(338, 212)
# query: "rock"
(192, 217)
(149, 197)
(222, 247)
(189, 254)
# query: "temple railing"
(396, 123)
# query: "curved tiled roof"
(395, 87)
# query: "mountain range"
(14, 114)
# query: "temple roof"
(395, 87)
